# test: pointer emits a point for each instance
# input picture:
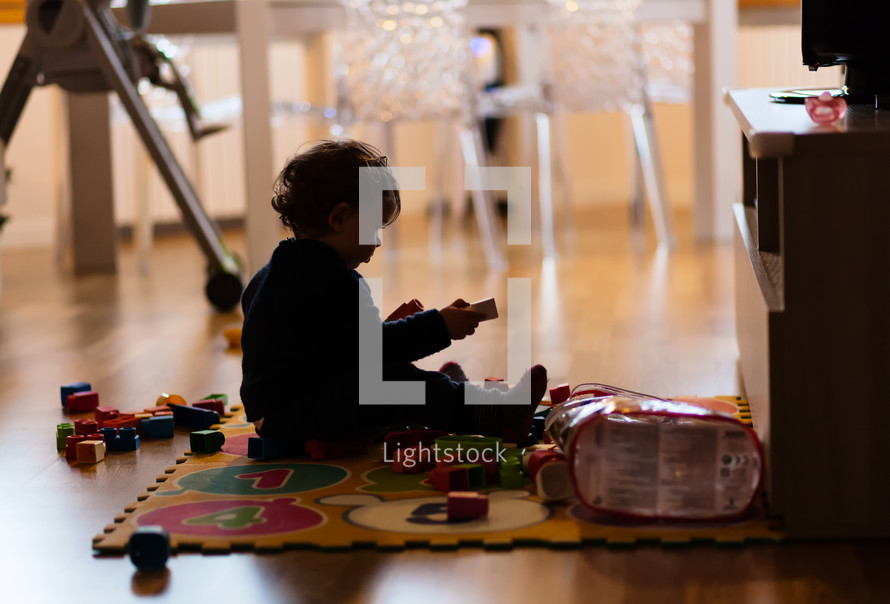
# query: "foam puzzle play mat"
(241, 497)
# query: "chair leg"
(653, 179)
(389, 148)
(437, 202)
(483, 201)
(637, 186)
(563, 170)
(545, 185)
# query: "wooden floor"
(612, 309)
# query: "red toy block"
(540, 458)
(327, 449)
(411, 460)
(124, 421)
(82, 402)
(450, 478)
(96, 436)
(411, 438)
(212, 405)
(466, 506)
(85, 426)
(100, 414)
(71, 446)
(560, 394)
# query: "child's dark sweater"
(301, 351)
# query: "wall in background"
(769, 56)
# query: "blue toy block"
(112, 440)
(128, 439)
(149, 547)
(158, 427)
(72, 388)
(207, 441)
(193, 418)
(263, 448)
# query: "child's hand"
(460, 321)
(406, 310)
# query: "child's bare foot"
(454, 371)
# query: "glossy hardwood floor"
(611, 309)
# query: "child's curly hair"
(316, 180)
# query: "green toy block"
(509, 480)
(475, 475)
(63, 431)
(206, 441)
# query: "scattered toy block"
(496, 383)
(109, 435)
(71, 446)
(554, 482)
(206, 441)
(149, 548)
(90, 451)
(218, 397)
(528, 451)
(508, 480)
(127, 439)
(156, 410)
(102, 414)
(412, 460)
(411, 438)
(85, 426)
(193, 418)
(330, 449)
(82, 402)
(142, 416)
(560, 394)
(162, 413)
(464, 505)
(475, 475)
(158, 426)
(96, 436)
(264, 448)
(542, 457)
(124, 421)
(63, 431)
(69, 389)
(449, 478)
(211, 404)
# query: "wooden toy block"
(127, 439)
(71, 446)
(450, 478)
(63, 431)
(217, 397)
(496, 383)
(156, 410)
(330, 449)
(163, 413)
(90, 451)
(553, 481)
(487, 306)
(211, 404)
(82, 402)
(193, 418)
(540, 458)
(560, 394)
(142, 416)
(528, 451)
(411, 438)
(85, 426)
(149, 548)
(102, 414)
(68, 389)
(464, 505)
(123, 421)
(264, 448)
(206, 441)
(158, 426)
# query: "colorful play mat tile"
(225, 501)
